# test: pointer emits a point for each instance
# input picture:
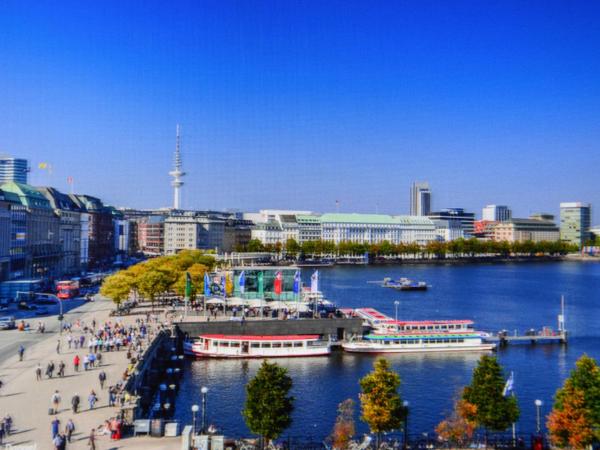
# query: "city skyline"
(284, 107)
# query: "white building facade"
(376, 228)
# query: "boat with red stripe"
(264, 346)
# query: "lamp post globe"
(195, 409)
(538, 407)
(204, 391)
(405, 404)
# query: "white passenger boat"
(240, 346)
(390, 336)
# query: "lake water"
(503, 296)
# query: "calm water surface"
(496, 297)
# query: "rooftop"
(378, 219)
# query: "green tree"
(268, 406)
(117, 287)
(156, 281)
(381, 404)
(254, 245)
(292, 247)
(494, 411)
(575, 417)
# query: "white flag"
(314, 282)
(508, 387)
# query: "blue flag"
(297, 282)
(206, 285)
(242, 281)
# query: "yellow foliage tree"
(381, 404)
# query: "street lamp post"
(405, 404)
(195, 409)
(538, 407)
(204, 391)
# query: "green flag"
(188, 285)
(261, 284)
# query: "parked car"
(7, 323)
(26, 306)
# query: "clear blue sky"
(294, 104)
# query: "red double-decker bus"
(67, 289)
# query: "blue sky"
(294, 104)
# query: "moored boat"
(405, 284)
(391, 336)
(241, 346)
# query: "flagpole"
(514, 425)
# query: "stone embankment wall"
(336, 328)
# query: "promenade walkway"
(28, 400)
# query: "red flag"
(278, 283)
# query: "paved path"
(28, 400)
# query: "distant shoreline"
(463, 261)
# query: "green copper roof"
(28, 195)
(379, 219)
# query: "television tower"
(177, 173)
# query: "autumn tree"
(344, 427)
(196, 272)
(269, 405)
(575, 417)
(381, 404)
(494, 411)
(459, 426)
(117, 287)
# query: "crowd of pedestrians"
(89, 341)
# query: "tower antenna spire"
(177, 173)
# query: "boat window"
(396, 342)
(437, 327)
(298, 344)
(430, 327)
(450, 327)
(461, 340)
(287, 344)
(224, 344)
(386, 342)
(403, 341)
(276, 344)
(453, 341)
(422, 328)
(215, 343)
(255, 345)
(235, 344)
(266, 345)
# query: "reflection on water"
(495, 296)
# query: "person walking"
(75, 400)
(21, 352)
(61, 369)
(38, 372)
(55, 401)
(76, 362)
(54, 427)
(59, 442)
(58, 347)
(69, 340)
(102, 379)
(92, 399)
(69, 428)
(92, 440)
(50, 369)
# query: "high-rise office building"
(13, 169)
(496, 213)
(420, 199)
(575, 222)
